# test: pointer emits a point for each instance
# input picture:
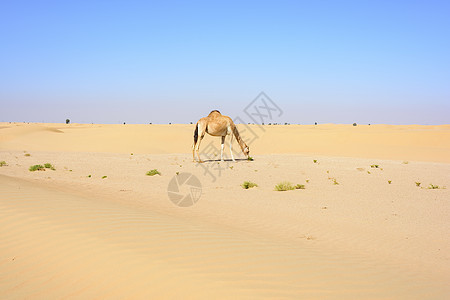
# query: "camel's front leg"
(231, 147)
(221, 148)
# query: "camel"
(216, 124)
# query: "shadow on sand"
(225, 160)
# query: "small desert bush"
(375, 166)
(248, 184)
(433, 187)
(284, 186)
(103, 177)
(49, 166)
(37, 168)
(389, 181)
(335, 181)
(418, 184)
(27, 154)
(315, 161)
(250, 158)
(3, 163)
(153, 172)
(300, 187)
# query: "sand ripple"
(57, 245)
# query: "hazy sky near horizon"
(175, 61)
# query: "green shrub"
(49, 166)
(300, 187)
(247, 184)
(37, 168)
(153, 172)
(284, 186)
(104, 177)
(3, 163)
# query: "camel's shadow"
(226, 160)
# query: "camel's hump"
(215, 111)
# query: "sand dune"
(405, 142)
(375, 234)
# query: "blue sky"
(174, 61)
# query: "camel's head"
(247, 151)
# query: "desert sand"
(367, 224)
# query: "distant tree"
(354, 124)
(67, 121)
(315, 123)
(124, 123)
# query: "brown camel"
(216, 124)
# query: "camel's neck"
(238, 138)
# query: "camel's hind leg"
(197, 146)
(195, 142)
(193, 150)
(199, 133)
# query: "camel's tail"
(196, 134)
